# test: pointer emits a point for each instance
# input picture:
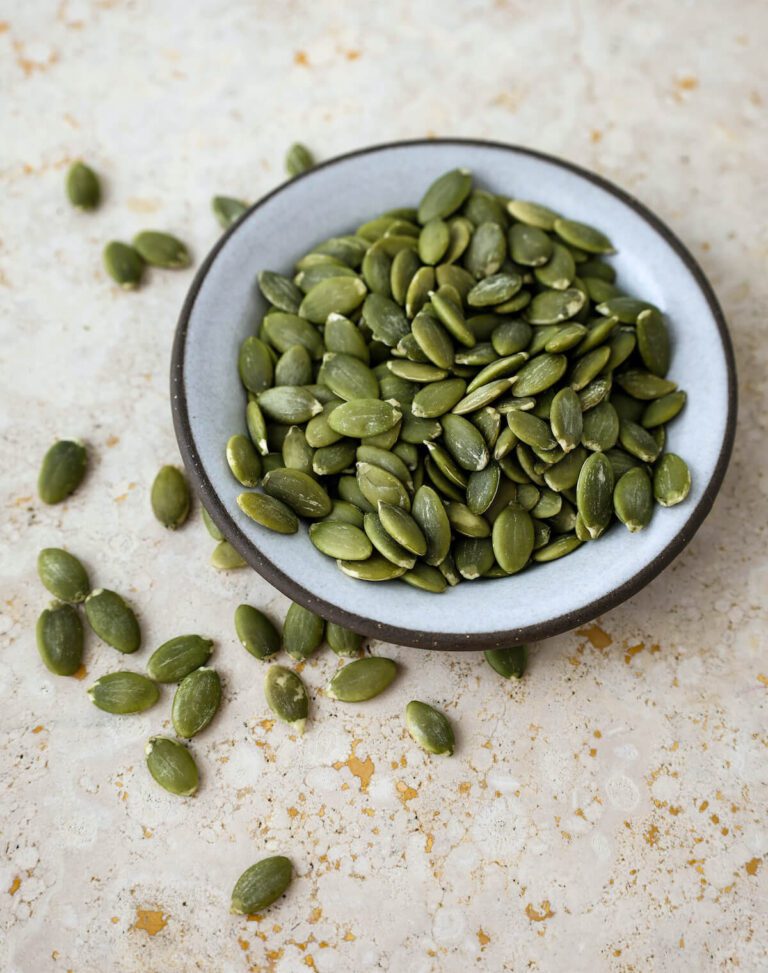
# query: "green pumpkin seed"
(376, 270)
(488, 421)
(482, 487)
(255, 365)
(269, 511)
(595, 393)
(426, 578)
(529, 245)
(560, 547)
(257, 427)
(364, 417)
(565, 474)
(195, 702)
(289, 404)
(461, 230)
(530, 430)
(621, 461)
(495, 289)
(601, 428)
(63, 575)
(170, 497)
(511, 337)
(281, 292)
(375, 568)
(433, 340)
(566, 419)
(597, 335)
(402, 528)
(548, 504)
(429, 728)
(287, 697)
(465, 442)
(83, 187)
(633, 499)
(335, 295)
(345, 512)
(589, 367)
(243, 461)
(638, 441)
(294, 367)
(348, 377)
(464, 522)
(405, 264)
(113, 620)
(513, 538)
(671, 480)
(172, 766)
(297, 453)
(343, 641)
(533, 214)
(123, 264)
(62, 471)
(622, 344)
(257, 634)
(484, 207)
(451, 315)
(307, 279)
(298, 159)
(298, 490)
(162, 250)
(433, 241)
(663, 410)
(473, 557)
(445, 195)
(263, 883)
(362, 679)
(340, 540)
(559, 271)
(282, 330)
(343, 337)
(583, 236)
(504, 444)
(486, 251)
(539, 374)
(429, 513)
(385, 318)
(653, 341)
(123, 693)
(377, 484)
(626, 309)
(552, 307)
(177, 657)
(437, 398)
(329, 460)
(594, 493)
(226, 558)
(385, 543)
(228, 210)
(599, 289)
(510, 663)
(59, 634)
(565, 338)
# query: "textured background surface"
(609, 812)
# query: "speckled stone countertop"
(607, 813)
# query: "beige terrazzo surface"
(609, 813)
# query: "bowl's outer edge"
(451, 640)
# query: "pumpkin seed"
(663, 410)
(83, 187)
(626, 309)
(552, 307)
(601, 428)
(113, 620)
(622, 344)
(298, 159)
(583, 236)
(486, 251)
(597, 335)
(335, 295)
(599, 289)
(376, 270)
(445, 195)
(59, 635)
(511, 337)
(513, 538)
(510, 663)
(257, 427)
(269, 511)
(343, 641)
(534, 214)
(195, 702)
(282, 330)
(560, 547)
(595, 393)
(255, 365)
(671, 480)
(385, 543)
(566, 419)
(170, 497)
(62, 471)
(257, 634)
(539, 374)
(559, 270)
(294, 367)
(473, 556)
(633, 499)
(495, 289)
(306, 279)
(529, 245)
(426, 578)
(340, 540)
(364, 417)
(289, 404)
(287, 697)
(429, 513)
(385, 318)
(161, 250)
(226, 558)
(123, 693)
(530, 430)
(172, 766)
(123, 264)
(594, 493)
(228, 210)
(375, 568)
(433, 241)
(638, 441)
(263, 883)
(177, 657)
(461, 230)
(429, 728)
(482, 487)
(653, 341)
(402, 528)
(362, 679)
(300, 491)
(405, 263)
(437, 398)
(63, 575)
(452, 316)
(344, 337)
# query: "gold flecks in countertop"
(597, 636)
(362, 769)
(543, 912)
(752, 866)
(151, 921)
(405, 791)
(14, 886)
(483, 938)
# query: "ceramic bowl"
(224, 305)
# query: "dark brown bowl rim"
(450, 640)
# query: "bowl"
(208, 401)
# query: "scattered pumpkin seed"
(170, 497)
(177, 657)
(362, 679)
(429, 728)
(172, 766)
(287, 697)
(298, 159)
(63, 575)
(124, 692)
(62, 471)
(261, 885)
(83, 187)
(226, 558)
(124, 264)
(195, 702)
(59, 635)
(113, 620)
(161, 250)
(303, 632)
(510, 663)
(227, 210)
(343, 641)
(256, 633)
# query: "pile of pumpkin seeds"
(456, 391)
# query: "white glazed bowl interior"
(225, 306)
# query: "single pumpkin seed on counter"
(303, 632)
(429, 728)
(671, 480)
(161, 250)
(298, 159)
(362, 679)
(343, 641)
(124, 692)
(124, 264)
(227, 210)
(177, 657)
(59, 635)
(226, 558)
(633, 499)
(62, 470)
(510, 663)
(212, 529)
(261, 885)
(256, 633)
(170, 497)
(287, 697)
(83, 187)
(195, 702)
(172, 766)
(63, 575)
(113, 620)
